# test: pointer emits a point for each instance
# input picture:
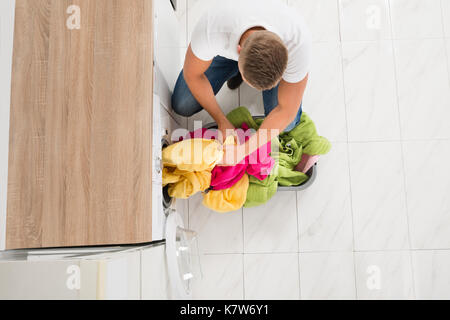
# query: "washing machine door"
(183, 260)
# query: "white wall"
(6, 46)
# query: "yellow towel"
(184, 184)
(188, 165)
(193, 155)
(229, 199)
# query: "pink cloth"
(306, 163)
(258, 164)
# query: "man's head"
(263, 59)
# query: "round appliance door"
(182, 256)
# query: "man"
(262, 42)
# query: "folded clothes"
(227, 200)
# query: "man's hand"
(232, 155)
(226, 128)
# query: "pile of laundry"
(190, 165)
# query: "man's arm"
(194, 73)
(290, 96)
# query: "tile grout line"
(188, 213)
(447, 54)
(243, 277)
(325, 251)
(348, 147)
(402, 151)
(394, 140)
(338, 3)
(298, 246)
(378, 40)
(140, 274)
(299, 281)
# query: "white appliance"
(155, 271)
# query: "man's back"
(220, 28)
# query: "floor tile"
(366, 80)
(324, 209)
(428, 187)
(272, 227)
(217, 232)
(155, 282)
(222, 278)
(378, 196)
(324, 95)
(446, 17)
(447, 42)
(271, 276)
(251, 99)
(227, 99)
(364, 20)
(432, 274)
(329, 275)
(384, 275)
(370, 91)
(321, 17)
(423, 88)
(416, 19)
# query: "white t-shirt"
(219, 30)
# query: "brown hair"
(263, 59)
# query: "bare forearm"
(202, 91)
(272, 126)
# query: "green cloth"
(305, 134)
(259, 192)
(240, 115)
(287, 152)
(288, 156)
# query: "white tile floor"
(376, 223)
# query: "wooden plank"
(80, 146)
(27, 125)
(68, 113)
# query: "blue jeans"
(220, 71)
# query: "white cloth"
(220, 28)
